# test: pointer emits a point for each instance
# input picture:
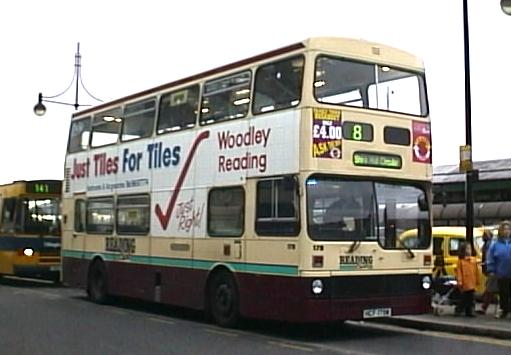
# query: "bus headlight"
(426, 282)
(317, 287)
(28, 251)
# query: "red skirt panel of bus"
(287, 298)
(343, 297)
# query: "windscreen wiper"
(354, 246)
(411, 254)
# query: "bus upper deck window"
(178, 109)
(138, 119)
(226, 98)
(106, 127)
(341, 81)
(278, 85)
(79, 135)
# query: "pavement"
(445, 320)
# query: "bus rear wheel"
(224, 300)
(97, 283)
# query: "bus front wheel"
(97, 283)
(224, 300)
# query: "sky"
(131, 46)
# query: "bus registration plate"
(377, 312)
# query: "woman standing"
(499, 265)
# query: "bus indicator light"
(427, 260)
(317, 261)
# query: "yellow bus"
(273, 187)
(30, 232)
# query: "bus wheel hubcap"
(224, 298)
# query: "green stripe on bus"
(347, 267)
(188, 263)
(271, 269)
(162, 261)
(72, 254)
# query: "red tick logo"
(164, 217)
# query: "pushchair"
(445, 295)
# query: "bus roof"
(351, 48)
(364, 50)
(20, 182)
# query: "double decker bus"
(276, 187)
(30, 232)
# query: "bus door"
(77, 229)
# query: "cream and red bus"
(30, 229)
(275, 187)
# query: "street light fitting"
(40, 108)
(506, 6)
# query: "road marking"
(221, 332)
(337, 350)
(305, 346)
(118, 311)
(160, 320)
(298, 345)
(293, 346)
(470, 338)
(47, 295)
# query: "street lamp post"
(40, 108)
(469, 172)
(466, 162)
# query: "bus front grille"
(375, 285)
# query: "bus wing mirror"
(422, 203)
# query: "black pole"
(77, 73)
(469, 196)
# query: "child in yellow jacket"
(467, 277)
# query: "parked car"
(446, 242)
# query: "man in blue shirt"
(499, 264)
